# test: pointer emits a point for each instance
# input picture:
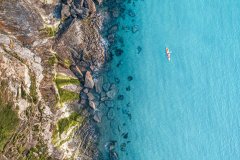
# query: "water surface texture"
(188, 108)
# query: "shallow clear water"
(186, 109)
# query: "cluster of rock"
(77, 8)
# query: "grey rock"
(85, 90)
(79, 12)
(90, 96)
(73, 13)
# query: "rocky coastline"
(53, 67)
(52, 56)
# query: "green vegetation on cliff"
(65, 95)
(63, 125)
(33, 89)
(8, 117)
(49, 31)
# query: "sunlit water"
(188, 108)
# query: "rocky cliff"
(49, 53)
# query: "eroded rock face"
(21, 19)
(83, 40)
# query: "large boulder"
(88, 80)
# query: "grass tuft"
(8, 117)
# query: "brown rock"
(91, 6)
(65, 12)
(88, 80)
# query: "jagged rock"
(65, 12)
(88, 80)
(92, 105)
(84, 37)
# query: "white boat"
(168, 54)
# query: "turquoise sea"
(188, 108)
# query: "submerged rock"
(130, 78)
(110, 114)
(111, 94)
(97, 117)
(120, 97)
(92, 105)
(98, 84)
(106, 86)
(113, 155)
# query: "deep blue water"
(188, 108)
